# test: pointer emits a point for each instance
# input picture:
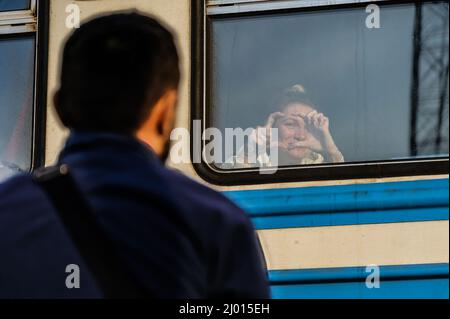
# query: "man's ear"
(56, 99)
(170, 101)
(57, 104)
(162, 113)
(156, 129)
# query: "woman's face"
(292, 129)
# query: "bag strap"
(96, 249)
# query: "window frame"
(34, 21)
(200, 14)
(19, 21)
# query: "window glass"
(379, 93)
(16, 103)
(12, 5)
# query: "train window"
(351, 90)
(20, 121)
(14, 5)
(16, 96)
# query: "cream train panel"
(176, 13)
(356, 245)
(329, 182)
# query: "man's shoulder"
(21, 200)
(203, 198)
(16, 185)
(18, 189)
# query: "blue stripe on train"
(402, 289)
(403, 281)
(423, 200)
(376, 203)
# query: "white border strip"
(241, 6)
(356, 245)
(23, 28)
(19, 17)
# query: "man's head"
(120, 74)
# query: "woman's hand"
(319, 138)
(263, 135)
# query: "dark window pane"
(384, 91)
(11, 5)
(16, 102)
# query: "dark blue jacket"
(178, 237)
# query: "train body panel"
(321, 238)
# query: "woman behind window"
(303, 136)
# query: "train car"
(372, 224)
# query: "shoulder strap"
(95, 248)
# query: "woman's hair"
(294, 94)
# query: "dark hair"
(114, 69)
(294, 94)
